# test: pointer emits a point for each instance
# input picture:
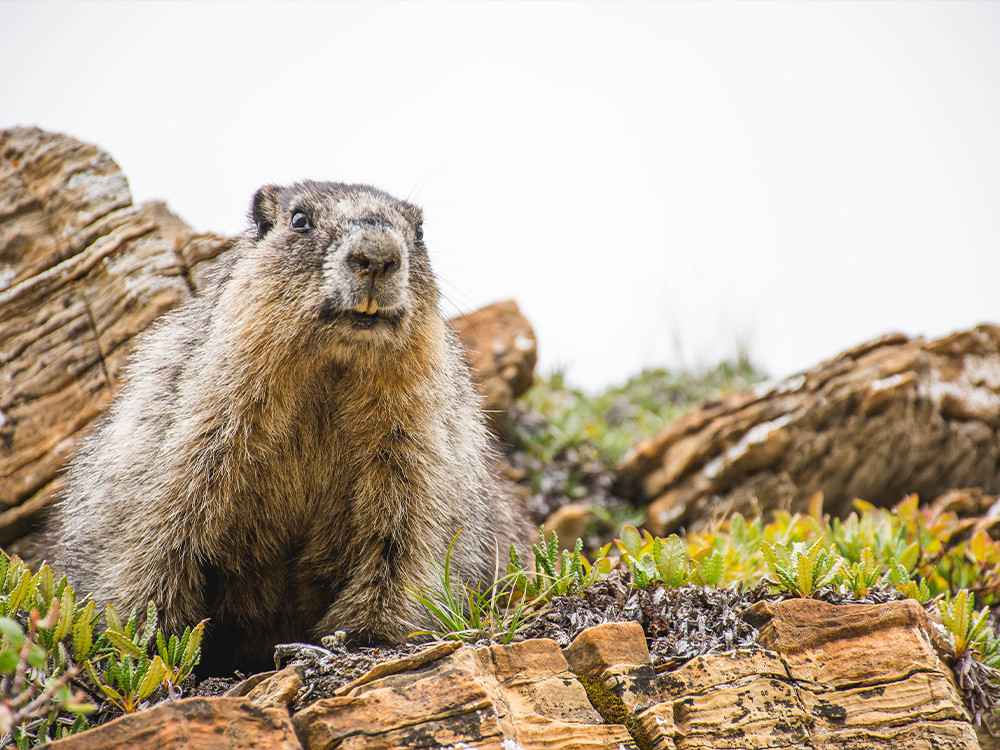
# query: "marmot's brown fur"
(294, 445)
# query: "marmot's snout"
(376, 260)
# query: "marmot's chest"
(317, 506)
(281, 569)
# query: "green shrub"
(577, 430)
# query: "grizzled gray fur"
(294, 445)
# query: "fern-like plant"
(556, 573)
(801, 570)
(969, 631)
(654, 560)
(39, 657)
(31, 700)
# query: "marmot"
(293, 446)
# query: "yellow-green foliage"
(129, 677)
(39, 655)
(651, 559)
(861, 577)
(556, 573)
(470, 614)
(924, 553)
(802, 570)
(969, 630)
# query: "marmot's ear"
(264, 209)
(412, 213)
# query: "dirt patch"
(216, 686)
(568, 616)
(331, 665)
(680, 623)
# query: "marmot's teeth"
(366, 307)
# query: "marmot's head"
(343, 263)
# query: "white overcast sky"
(654, 183)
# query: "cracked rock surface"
(82, 271)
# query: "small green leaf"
(910, 556)
(66, 609)
(37, 656)
(83, 632)
(123, 643)
(88, 669)
(80, 708)
(192, 650)
(157, 670)
(110, 692)
(132, 626)
(670, 561)
(632, 540)
(45, 585)
(21, 592)
(712, 569)
(770, 556)
(112, 619)
(515, 560)
(154, 672)
(639, 578)
(553, 550)
(648, 565)
(898, 573)
(542, 562)
(8, 660)
(576, 565)
(150, 627)
(162, 647)
(11, 630)
(42, 730)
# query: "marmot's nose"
(373, 260)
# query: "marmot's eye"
(419, 232)
(300, 222)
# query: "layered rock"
(524, 693)
(83, 271)
(825, 676)
(888, 418)
(193, 724)
(850, 676)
